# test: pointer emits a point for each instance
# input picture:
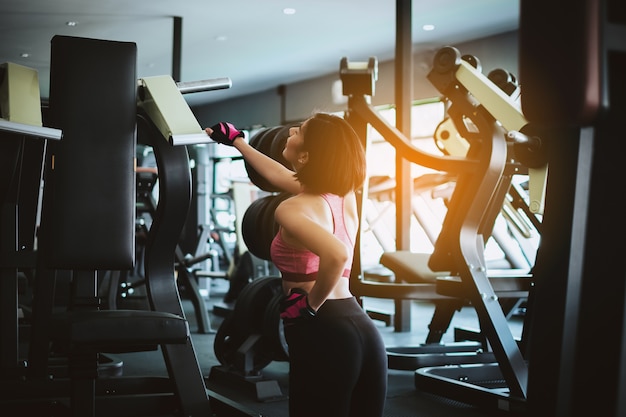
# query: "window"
(508, 247)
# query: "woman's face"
(293, 152)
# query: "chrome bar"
(186, 87)
(30, 130)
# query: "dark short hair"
(336, 161)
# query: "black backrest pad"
(88, 218)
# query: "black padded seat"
(505, 285)
(117, 331)
(404, 276)
(411, 266)
(379, 273)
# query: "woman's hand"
(224, 133)
(296, 306)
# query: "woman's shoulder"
(302, 201)
(292, 202)
(303, 204)
(321, 200)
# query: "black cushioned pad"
(411, 266)
(88, 215)
(118, 330)
(505, 285)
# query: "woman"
(337, 359)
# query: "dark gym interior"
(135, 274)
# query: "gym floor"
(403, 399)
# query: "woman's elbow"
(340, 256)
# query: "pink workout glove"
(296, 306)
(225, 133)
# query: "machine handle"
(186, 87)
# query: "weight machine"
(499, 147)
(23, 140)
(77, 174)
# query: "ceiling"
(251, 42)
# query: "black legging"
(338, 363)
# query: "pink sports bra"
(301, 265)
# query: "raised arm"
(273, 171)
